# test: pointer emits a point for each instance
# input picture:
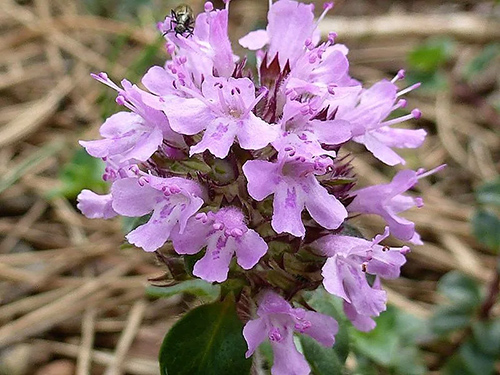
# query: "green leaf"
(482, 61)
(323, 361)
(489, 193)
(450, 318)
(82, 172)
(206, 341)
(476, 361)
(197, 287)
(487, 336)
(460, 289)
(393, 344)
(431, 54)
(431, 81)
(486, 228)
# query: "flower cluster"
(226, 160)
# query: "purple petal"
(386, 263)
(192, 240)
(132, 199)
(218, 138)
(333, 132)
(324, 208)
(333, 278)
(254, 40)
(288, 205)
(95, 206)
(159, 81)
(290, 25)
(287, 360)
(152, 235)
(146, 145)
(249, 249)
(323, 328)
(119, 124)
(400, 138)
(255, 332)
(262, 177)
(362, 322)
(214, 265)
(254, 133)
(187, 116)
(382, 152)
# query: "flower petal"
(132, 199)
(218, 138)
(254, 332)
(324, 208)
(288, 205)
(323, 328)
(262, 177)
(95, 206)
(214, 265)
(249, 249)
(254, 40)
(254, 133)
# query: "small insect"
(181, 20)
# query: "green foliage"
(485, 222)
(426, 61)
(486, 228)
(482, 61)
(196, 287)
(464, 296)
(432, 54)
(393, 343)
(82, 172)
(323, 361)
(489, 193)
(206, 341)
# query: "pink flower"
(172, 202)
(293, 182)
(224, 233)
(277, 322)
(224, 111)
(387, 201)
(370, 129)
(349, 258)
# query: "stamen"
(408, 89)
(103, 78)
(414, 114)
(326, 7)
(419, 202)
(405, 250)
(422, 174)
(264, 92)
(218, 226)
(227, 4)
(400, 75)
(209, 6)
(400, 104)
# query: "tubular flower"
(349, 258)
(224, 233)
(277, 322)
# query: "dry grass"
(67, 290)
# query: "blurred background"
(75, 300)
